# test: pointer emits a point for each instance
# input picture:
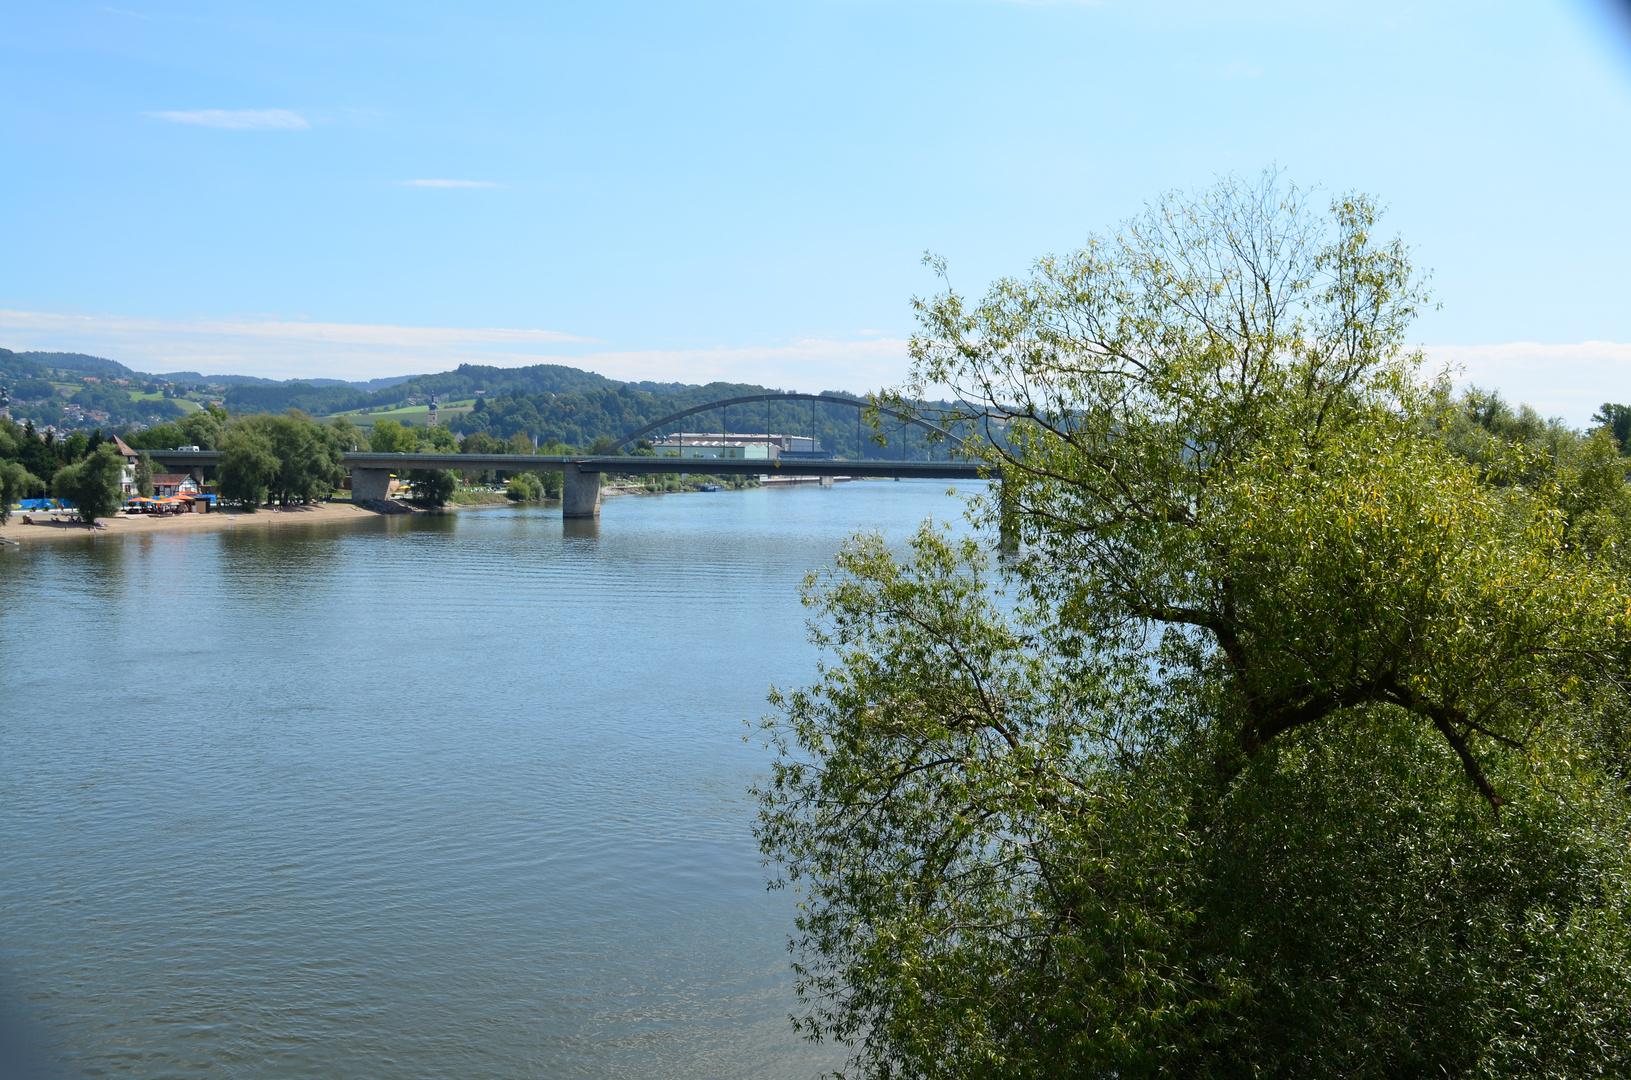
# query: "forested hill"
(547, 403)
(463, 382)
(610, 412)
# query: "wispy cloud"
(286, 348)
(810, 364)
(1569, 380)
(453, 183)
(238, 119)
(278, 348)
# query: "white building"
(127, 474)
(736, 446)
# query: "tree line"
(1290, 741)
(265, 458)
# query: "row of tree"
(283, 459)
(1293, 739)
(84, 469)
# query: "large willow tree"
(1290, 743)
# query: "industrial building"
(737, 446)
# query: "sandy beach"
(44, 529)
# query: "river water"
(449, 796)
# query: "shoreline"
(214, 521)
(218, 520)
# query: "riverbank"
(44, 529)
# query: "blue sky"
(692, 191)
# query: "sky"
(695, 191)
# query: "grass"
(406, 414)
(477, 498)
(185, 404)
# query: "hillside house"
(127, 475)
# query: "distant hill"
(251, 380)
(544, 402)
(41, 364)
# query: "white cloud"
(286, 349)
(1570, 381)
(238, 119)
(810, 364)
(453, 183)
(277, 348)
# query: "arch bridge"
(857, 404)
(581, 473)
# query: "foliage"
(463, 382)
(1517, 447)
(1291, 742)
(16, 483)
(479, 442)
(120, 408)
(309, 456)
(546, 403)
(248, 465)
(144, 475)
(30, 389)
(432, 487)
(1021, 861)
(1617, 420)
(606, 414)
(390, 437)
(284, 458)
(202, 429)
(277, 397)
(662, 483)
(534, 486)
(40, 456)
(437, 440)
(93, 485)
(347, 435)
(524, 487)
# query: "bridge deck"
(938, 470)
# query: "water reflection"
(456, 795)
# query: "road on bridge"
(371, 472)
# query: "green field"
(186, 404)
(407, 415)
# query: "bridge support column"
(370, 484)
(826, 481)
(580, 492)
(1007, 523)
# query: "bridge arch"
(829, 399)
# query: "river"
(449, 796)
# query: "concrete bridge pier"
(370, 484)
(580, 491)
(1007, 522)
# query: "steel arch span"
(855, 403)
